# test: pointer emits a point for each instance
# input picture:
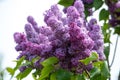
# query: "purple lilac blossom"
(113, 8)
(67, 38)
(96, 35)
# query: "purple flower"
(19, 37)
(69, 38)
(60, 53)
(72, 12)
(22, 68)
(96, 35)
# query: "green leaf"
(98, 77)
(101, 73)
(45, 72)
(107, 37)
(97, 64)
(53, 76)
(80, 77)
(22, 75)
(104, 70)
(105, 28)
(117, 30)
(92, 57)
(19, 62)
(10, 70)
(49, 61)
(106, 51)
(63, 75)
(94, 71)
(97, 4)
(104, 15)
(66, 3)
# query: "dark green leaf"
(63, 75)
(104, 15)
(94, 71)
(80, 77)
(92, 57)
(106, 51)
(49, 61)
(117, 30)
(45, 72)
(98, 77)
(104, 70)
(66, 3)
(97, 4)
(10, 70)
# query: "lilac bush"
(68, 42)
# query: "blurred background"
(13, 14)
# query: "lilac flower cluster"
(95, 34)
(114, 6)
(66, 38)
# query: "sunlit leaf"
(66, 3)
(10, 70)
(92, 57)
(53, 76)
(45, 72)
(49, 61)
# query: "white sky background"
(13, 14)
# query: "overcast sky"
(13, 14)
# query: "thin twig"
(114, 51)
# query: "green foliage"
(10, 70)
(63, 75)
(117, 30)
(66, 3)
(18, 64)
(107, 51)
(45, 72)
(97, 4)
(92, 57)
(23, 74)
(48, 67)
(50, 61)
(100, 71)
(104, 15)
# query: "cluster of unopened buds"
(68, 38)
